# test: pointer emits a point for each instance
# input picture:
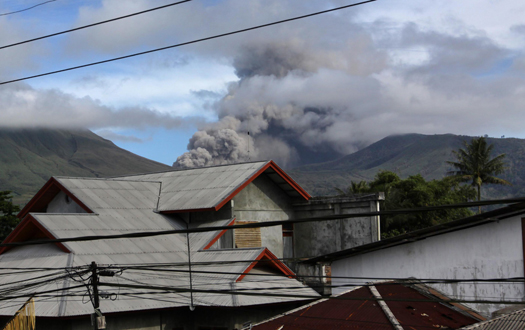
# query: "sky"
(298, 92)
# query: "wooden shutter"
(249, 237)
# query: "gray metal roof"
(510, 321)
(100, 194)
(201, 188)
(217, 262)
(127, 205)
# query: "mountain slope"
(408, 155)
(29, 157)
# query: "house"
(478, 259)
(384, 305)
(199, 280)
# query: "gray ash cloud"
(284, 100)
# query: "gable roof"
(359, 308)
(128, 205)
(210, 188)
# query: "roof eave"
(41, 197)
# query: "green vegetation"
(8, 211)
(474, 164)
(408, 155)
(411, 193)
(30, 157)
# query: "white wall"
(492, 250)
(63, 204)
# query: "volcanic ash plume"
(217, 144)
(292, 100)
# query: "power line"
(141, 270)
(240, 291)
(187, 43)
(167, 289)
(276, 222)
(423, 280)
(93, 24)
(25, 9)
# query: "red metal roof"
(420, 315)
(334, 314)
(360, 311)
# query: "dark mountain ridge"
(407, 155)
(29, 157)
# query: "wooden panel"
(249, 237)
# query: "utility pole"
(98, 320)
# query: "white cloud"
(333, 82)
(24, 106)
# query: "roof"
(515, 320)
(201, 189)
(209, 188)
(360, 308)
(131, 204)
(473, 221)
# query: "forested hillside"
(408, 155)
(29, 157)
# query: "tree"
(360, 187)
(415, 192)
(8, 211)
(474, 164)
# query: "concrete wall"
(493, 250)
(318, 238)
(63, 204)
(262, 200)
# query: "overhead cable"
(25, 9)
(166, 290)
(426, 280)
(188, 42)
(277, 223)
(93, 24)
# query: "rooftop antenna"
(249, 146)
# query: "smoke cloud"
(282, 107)
(305, 99)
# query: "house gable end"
(267, 259)
(30, 230)
(40, 202)
(276, 174)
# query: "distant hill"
(29, 157)
(408, 155)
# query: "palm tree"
(355, 188)
(474, 164)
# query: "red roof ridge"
(267, 255)
(28, 229)
(46, 194)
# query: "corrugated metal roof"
(127, 205)
(100, 194)
(512, 321)
(201, 188)
(217, 262)
(420, 314)
(361, 311)
(334, 314)
(199, 241)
